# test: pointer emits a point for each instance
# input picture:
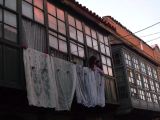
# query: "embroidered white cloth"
(65, 75)
(40, 79)
(90, 87)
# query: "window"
(61, 27)
(149, 71)
(155, 99)
(11, 4)
(133, 92)
(145, 81)
(33, 9)
(107, 66)
(127, 59)
(157, 87)
(155, 74)
(143, 68)
(141, 94)
(148, 97)
(130, 76)
(152, 85)
(138, 79)
(135, 63)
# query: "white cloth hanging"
(90, 87)
(65, 74)
(40, 79)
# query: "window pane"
(12, 4)
(81, 51)
(52, 22)
(106, 40)
(53, 42)
(72, 32)
(10, 33)
(105, 69)
(78, 25)
(51, 9)
(60, 14)
(71, 20)
(108, 61)
(1, 2)
(102, 48)
(0, 14)
(10, 18)
(30, 1)
(110, 71)
(103, 59)
(94, 34)
(100, 37)
(62, 46)
(95, 44)
(0, 30)
(74, 49)
(107, 51)
(61, 27)
(89, 41)
(38, 15)
(87, 30)
(27, 9)
(38, 3)
(80, 36)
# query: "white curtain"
(40, 80)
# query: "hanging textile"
(90, 87)
(65, 75)
(33, 35)
(40, 82)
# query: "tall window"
(148, 97)
(157, 87)
(149, 71)
(130, 76)
(155, 99)
(152, 85)
(155, 74)
(133, 92)
(138, 79)
(9, 22)
(127, 59)
(135, 63)
(107, 66)
(145, 81)
(143, 68)
(141, 94)
(33, 9)
(57, 28)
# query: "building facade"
(60, 28)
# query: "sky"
(133, 14)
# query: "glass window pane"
(53, 42)
(109, 62)
(79, 25)
(106, 40)
(87, 30)
(12, 4)
(38, 3)
(89, 41)
(51, 9)
(38, 15)
(102, 46)
(103, 59)
(74, 49)
(61, 27)
(100, 37)
(62, 46)
(1, 2)
(80, 36)
(10, 33)
(72, 32)
(71, 20)
(94, 34)
(10, 18)
(105, 69)
(110, 71)
(27, 9)
(0, 14)
(60, 14)
(81, 51)
(52, 22)
(107, 51)
(30, 1)
(95, 44)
